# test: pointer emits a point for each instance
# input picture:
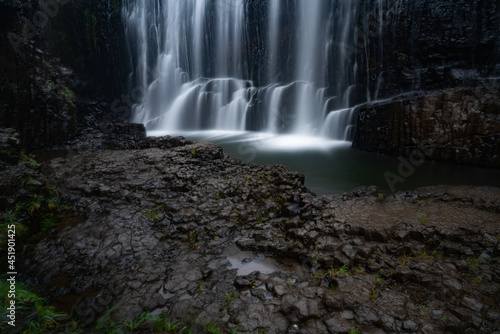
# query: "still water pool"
(334, 166)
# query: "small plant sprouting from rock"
(193, 152)
(379, 283)
(160, 322)
(28, 181)
(234, 330)
(380, 280)
(266, 177)
(353, 331)
(51, 84)
(477, 279)
(212, 328)
(474, 262)
(68, 94)
(423, 309)
(333, 272)
(340, 271)
(47, 224)
(232, 295)
(422, 217)
(25, 159)
(333, 287)
(404, 261)
(155, 215)
(164, 325)
(151, 214)
(424, 255)
(358, 269)
(375, 292)
(135, 323)
(191, 239)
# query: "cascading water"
(197, 60)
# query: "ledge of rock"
(459, 125)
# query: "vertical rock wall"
(456, 125)
(448, 54)
(427, 45)
(59, 61)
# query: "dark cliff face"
(456, 125)
(88, 36)
(57, 56)
(427, 45)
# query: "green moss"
(25, 159)
(232, 295)
(48, 66)
(422, 217)
(69, 94)
(474, 262)
(151, 214)
(47, 224)
(51, 84)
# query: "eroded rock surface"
(459, 125)
(153, 227)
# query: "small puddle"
(247, 262)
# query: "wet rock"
(242, 282)
(335, 325)
(456, 125)
(9, 147)
(472, 304)
(367, 316)
(410, 326)
(430, 329)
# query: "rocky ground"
(171, 227)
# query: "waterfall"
(274, 39)
(200, 64)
